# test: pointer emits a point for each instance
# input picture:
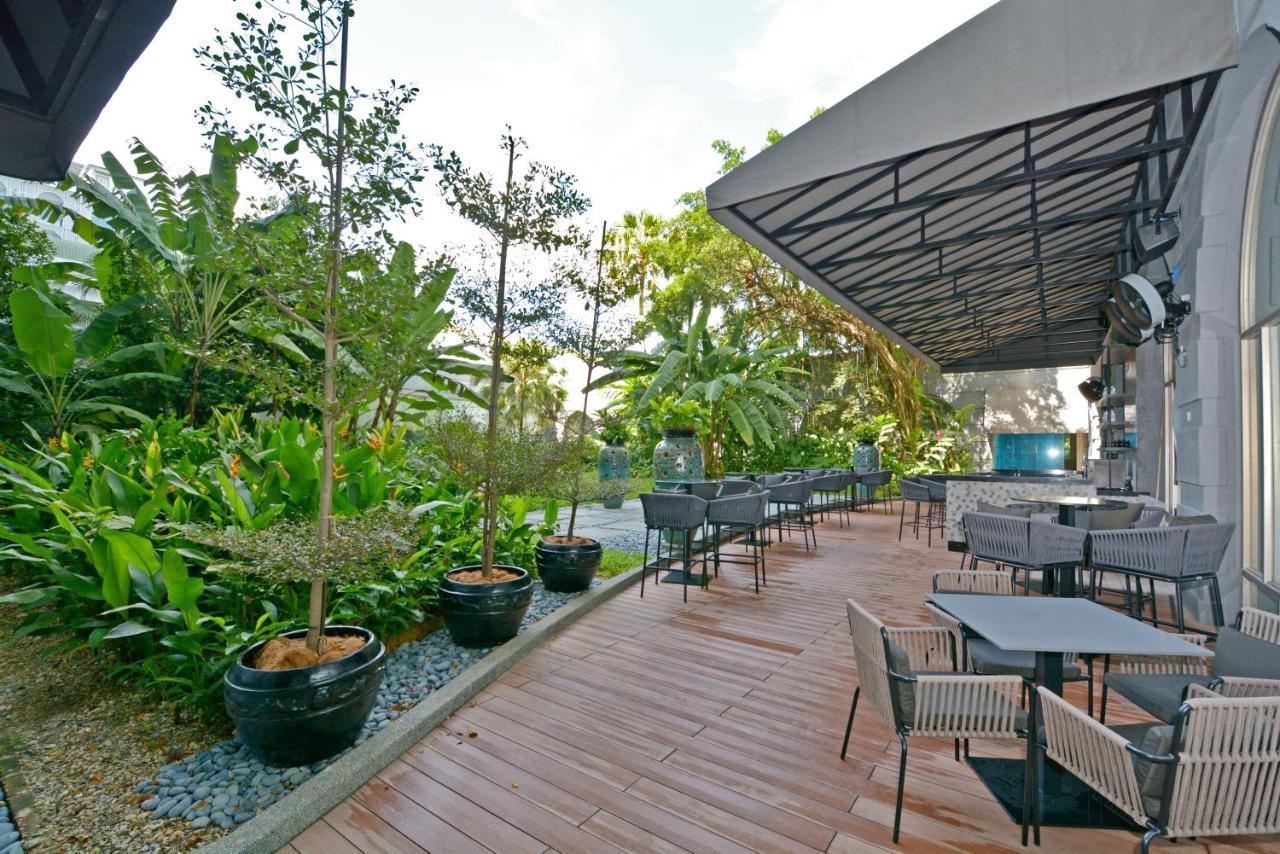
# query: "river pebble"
(10, 838)
(225, 785)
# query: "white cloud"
(812, 53)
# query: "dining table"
(1051, 627)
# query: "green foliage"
(615, 562)
(118, 540)
(71, 376)
(22, 244)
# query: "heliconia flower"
(375, 442)
(234, 468)
(88, 461)
(340, 472)
(54, 445)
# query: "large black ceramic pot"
(484, 614)
(568, 567)
(300, 716)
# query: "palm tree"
(745, 388)
(532, 393)
(632, 259)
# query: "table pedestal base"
(1067, 801)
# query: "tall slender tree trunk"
(195, 386)
(591, 365)
(329, 417)
(495, 375)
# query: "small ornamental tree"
(533, 208)
(590, 342)
(341, 171)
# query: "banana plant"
(743, 388)
(180, 230)
(71, 375)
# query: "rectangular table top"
(1049, 624)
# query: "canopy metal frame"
(995, 251)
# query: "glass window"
(1260, 350)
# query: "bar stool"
(669, 513)
(919, 493)
(794, 510)
(740, 514)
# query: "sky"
(627, 96)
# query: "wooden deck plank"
(711, 726)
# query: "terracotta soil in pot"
(568, 541)
(292, 653)
(476, 576)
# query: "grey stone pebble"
(226, 786)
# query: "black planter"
(567, 568)
(484, 614)
(300, 716)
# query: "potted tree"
(292, 704)
(340, 171)
(484, 604)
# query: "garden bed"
(84, 743)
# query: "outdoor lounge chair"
(1245, 662)
(918, 692)
(1214, 772)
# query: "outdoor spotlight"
(1135, 309)
(1093, 389)
(1155, 238)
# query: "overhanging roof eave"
(738, 224)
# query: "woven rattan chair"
(874, 486)
(1152, 516)
(829, 495)
(1245, 663)
(1214, 772)
(922, 498)
(794, 512)
(670, 514)
(916, 691)
(1180, 555)
(731, 487)
(1021, 544)
(740, 514)
(979, 654)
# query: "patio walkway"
(715, 726)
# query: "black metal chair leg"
(902, 520)
(687, 569)
(1215, 599)
(1148, 838)
(1177, 604)
(902, 780)
(848, 728)
(644, 565)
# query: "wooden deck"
(650, 725)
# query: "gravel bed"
(224, 785)
(10, 839)
(626, 541)
(81, 742)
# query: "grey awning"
(974, 202)
(60, 62)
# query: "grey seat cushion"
(906, 691)
(1157, 694)
(1238, 654)
(1112, 520)
(990, 660)
(1156, 739)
